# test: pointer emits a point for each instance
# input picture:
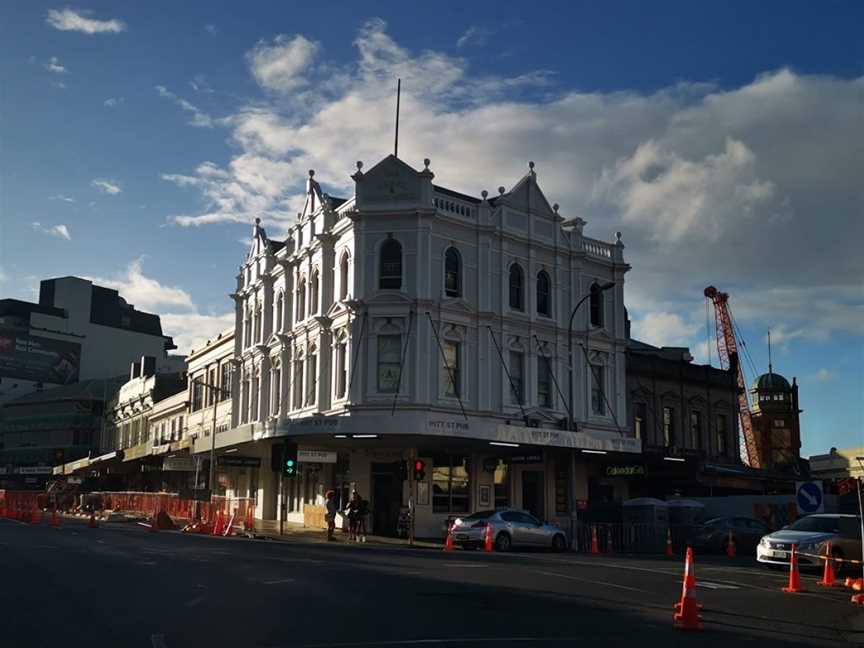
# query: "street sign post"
(809, 497)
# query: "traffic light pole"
(412, 501)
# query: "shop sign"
(526, 459)
(36, 470)
(313, 455)
(238, 461)
(183, 463)
(625, 471)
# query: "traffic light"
(289, 458)
(419, 470)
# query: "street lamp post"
(217, 393)
(595, 289)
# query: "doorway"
(533, 499)
(386, 498)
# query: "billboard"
(39, 359)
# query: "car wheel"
(503, 542)
(559, 543)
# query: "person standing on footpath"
(330, 516)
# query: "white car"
(810, 535)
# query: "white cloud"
(824, 375)
(59, 84)
(211, 29)
(109, 187)
(71, 20)
(199, 117)
(474, 35)
(113, 102)
(54, 65)
(281, 64)
(180, 317)
(60, 231)
(68, 199)
(145, 292)
(705, 182)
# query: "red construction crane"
(727, 349)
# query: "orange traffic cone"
(488, 541)
(794, 586)
(828, 578)
(689, 569)
(730, 546)
(448, 544)
(219, 524)
(93, 524)
(669, 552)
(250, 521)
(595, 546)
(687, 615)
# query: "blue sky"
(724, 141)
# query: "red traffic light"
(419, 465)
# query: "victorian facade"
(415, 321)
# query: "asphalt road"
(121, 586)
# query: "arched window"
(596, 301)
(544, 294)
(258, 324)
(280, 305)
(343, 277)
(301, 299)
(517, 300)
(247, 328)
(452, 273)
(391, 265)
(313, 293)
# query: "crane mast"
(727, 350)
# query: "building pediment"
(389, 181)
(527, 196)
(390, 297)
(458, 305)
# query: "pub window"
(197, 394)
(544, 294)
(696, 429)
(276, 395)
(596, 303)
(311, 378)
(598, 396)
(253, 399)
(258, 324)
(452, 273)
(544, 382)
(450, 484)
(391, 265)
(298, 384)
(516, 283)
(517, 362)
(343, 277)
(341, 369)
(225, 381)
(721, 434)
(668, 427)
(211, 387)
(389, 363)
(301, 299)
(640, 415)
(452, 370)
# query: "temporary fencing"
(617, 537)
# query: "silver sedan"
(509, 529)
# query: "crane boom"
(727, 350)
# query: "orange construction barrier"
(154, 521)
(448, 544)
(828, 578)
(669, 552)
(36, 516)
(250, 520)
(730, 546)
(488, 540)
(687, 615)
(595, 546)
(794, 586)
(219, 524)
(229, 527)
(856, 584)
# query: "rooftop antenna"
(398, 93)
(770, 366)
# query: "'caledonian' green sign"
(625, 471)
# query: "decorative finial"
(501, 190)
(484, 193)
(555, 208)
(257, 221)
(617, 237)
(531, 165)
(359, 165)
(426, 163)
(311, 173)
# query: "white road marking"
(716, 586)
(158, 641)
(594, 582)
(465, 565)
(278, 582)
(195, 601)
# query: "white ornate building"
(412, 320)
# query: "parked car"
(509, 529)
(713, 535)
(811, 535)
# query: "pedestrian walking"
(362, 514)
(330, 516)
(353, 513)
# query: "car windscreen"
(816, 524)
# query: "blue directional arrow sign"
(808, 497)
